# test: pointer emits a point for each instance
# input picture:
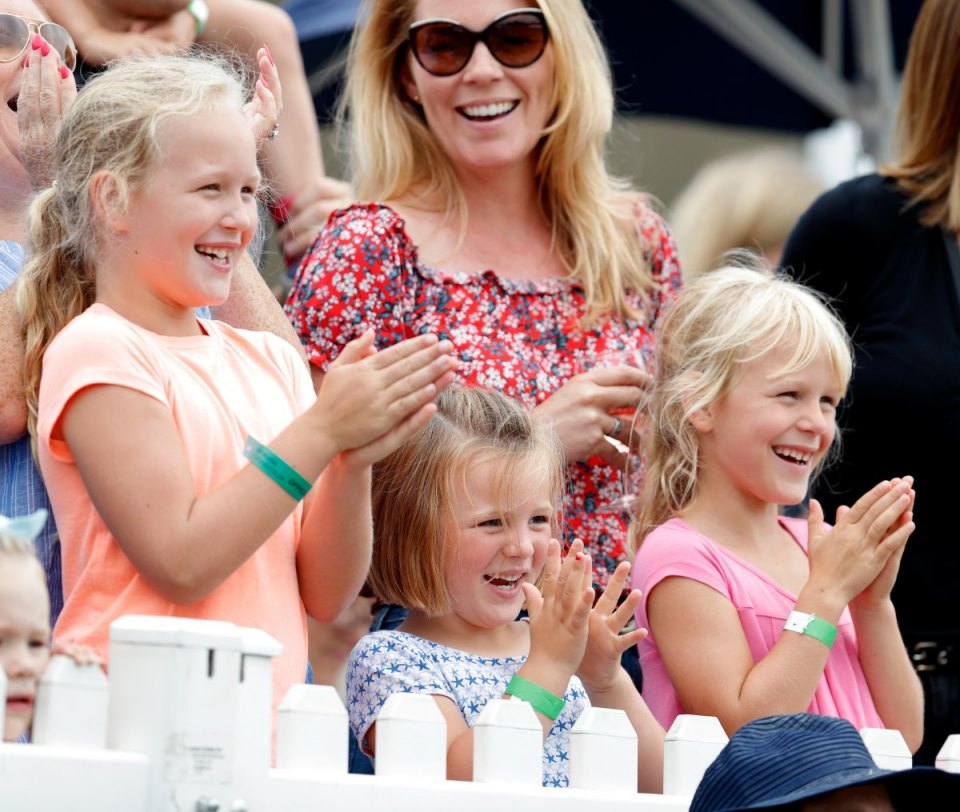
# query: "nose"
(816, 419)
(482, 66)
(519, 544)
(20, 660)
(240, 214)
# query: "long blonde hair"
(592, 214)
(416, 487)
(112, 126)
(724, 320)
(928, 123)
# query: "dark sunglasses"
(16, 32)
(443, 47)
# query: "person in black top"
(885, 248)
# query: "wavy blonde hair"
(415, 489)
(725, 320)
(112, 126)
(592, 214)
(928, 122)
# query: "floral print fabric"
(521, 337)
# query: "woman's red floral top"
(523, 338)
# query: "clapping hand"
(600, 666)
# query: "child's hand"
(263, 112)
(878, 591)
(845, 559)
(600, 666)
(79, 653)
(559, 614)
(371, 402)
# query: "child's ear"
(702, 419)
(109, 201)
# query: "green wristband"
(200, 13)
(539, 698)
(812, 626)
(275, 468)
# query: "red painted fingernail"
(26, 60)
(35, 42)
(269, 56)
(64, 73)
(44, 47)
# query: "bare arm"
(186, 545)
(702, 643)
(13, 405)
(100, 33)
(894, 685)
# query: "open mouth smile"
(794, 456)
(488, 112)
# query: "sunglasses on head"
(444, 47)
(16, 32)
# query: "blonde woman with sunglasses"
(477, 134)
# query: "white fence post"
(175, 696)
(411, 739)
(603, 751)
(949, 756)
(691, 745)
(312, 730)
(888, 748)
(72, 705)
(508, 744)
(255, 720)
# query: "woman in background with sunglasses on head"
(36, 63)
(478, 134)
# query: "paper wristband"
(812, 626)
(539, 698)
(275, 468)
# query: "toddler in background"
(25, 622)
(465, 518)
(192, 469)
(752, 613)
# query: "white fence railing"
(184, 725)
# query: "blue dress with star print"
(390, 662)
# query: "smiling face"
(186, 226)
(765, 437)
(24, 636)
(496, 546)
(486, 117)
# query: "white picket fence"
(184, 725)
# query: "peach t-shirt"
(220, 387)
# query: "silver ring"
(274, 132)
(617, 427)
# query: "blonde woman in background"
(746, 200)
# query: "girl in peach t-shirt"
(191, 468)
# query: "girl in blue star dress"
(466, 515)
